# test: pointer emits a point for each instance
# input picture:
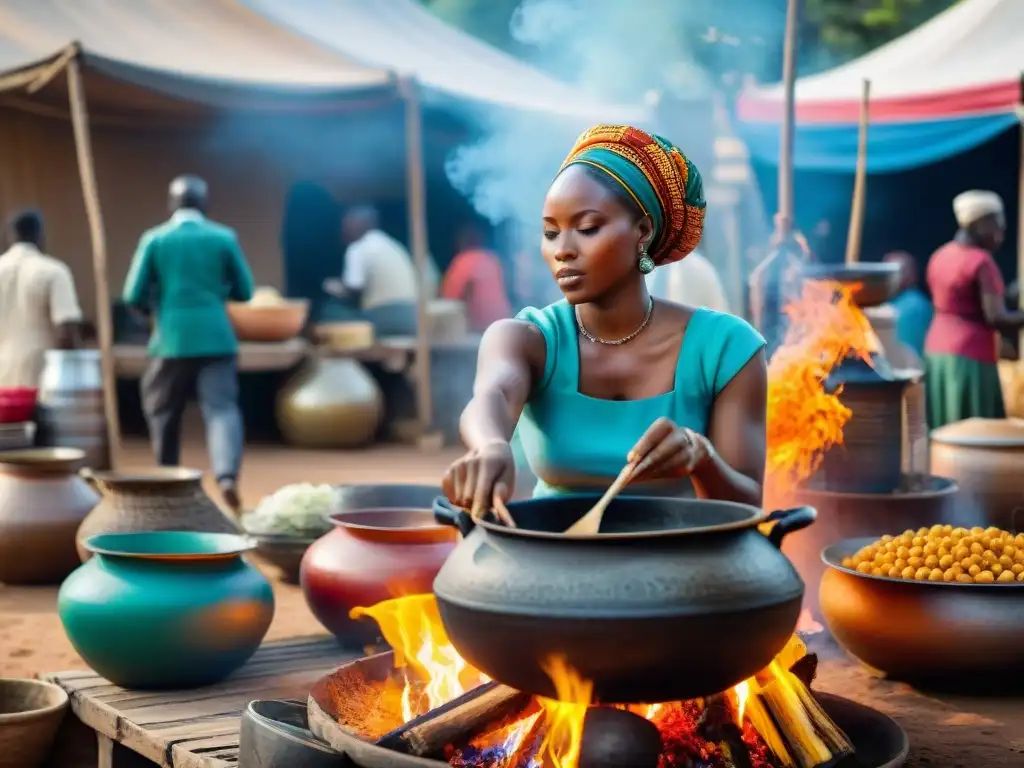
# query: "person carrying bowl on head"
(610, 375)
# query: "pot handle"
(86, 474)
(446, 514)
(788, 521)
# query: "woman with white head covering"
(962, 346)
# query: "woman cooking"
(610, 375)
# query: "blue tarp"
(891, 146)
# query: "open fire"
(768, 721)
(805, 419)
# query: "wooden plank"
(243, 680)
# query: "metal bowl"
(877, 282)
(946, 635)
(276, 732)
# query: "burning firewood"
(428, 734)
(813, 739)
(718, 725)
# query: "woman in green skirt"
(962, 346)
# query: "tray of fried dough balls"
(929, 604)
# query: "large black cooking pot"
(673, 599)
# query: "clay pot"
(948, 636)
(371, 556)
(330, 403)
(168, 609)
(986, 457)
(921, 500)
(42, 503)
(31, 712)
(870, 458)
(161, 499)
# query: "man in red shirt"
(475, 277)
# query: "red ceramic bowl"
(17, 404)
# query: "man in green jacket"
(183, 272)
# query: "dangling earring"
(645, 263)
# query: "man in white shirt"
(379, 281)
(692, 281)
(39, 308)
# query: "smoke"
(643, 54)
(602, 50)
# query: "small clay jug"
(42, 503)
(161, 499)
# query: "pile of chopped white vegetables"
(300, 509)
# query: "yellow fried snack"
(947, 554)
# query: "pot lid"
(982, 433)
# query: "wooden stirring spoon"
(590, 523)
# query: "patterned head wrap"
(663, 183)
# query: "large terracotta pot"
(42, 503)
(162, 499)
(169, 609)
(986, 457)
(921, 500)
(370, 556)
(330, 403)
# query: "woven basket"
(165, 499)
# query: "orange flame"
(804, 420)
(564, 716)
(412, 626)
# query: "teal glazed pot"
(167, 609)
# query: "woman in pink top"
(475, 277)
(962, 346)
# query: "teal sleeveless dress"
(575, 443)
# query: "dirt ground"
(945, 732)
(31, 637)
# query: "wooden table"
(182, 729)
(130, 360)
(115, 728)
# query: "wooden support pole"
(860, 179)
(1020, 220)
(784, 220)
(90, 192)
(416, 194)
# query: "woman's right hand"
(484, 473)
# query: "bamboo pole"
(860, 179)
(417, 212)
(1020, 221)
(784, 220)
(90, 193)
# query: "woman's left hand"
(669, 451)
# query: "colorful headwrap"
(658, 177)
